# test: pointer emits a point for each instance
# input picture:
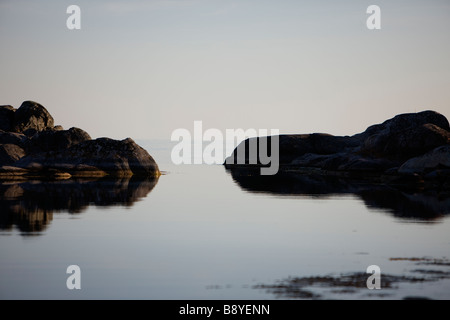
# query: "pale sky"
(142, 69)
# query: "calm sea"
(202, 232)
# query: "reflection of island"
(29, 205)
(400, 200)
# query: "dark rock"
(320, 161)
(391, 171)
(406, 121)
(30, 132)
(111, 156)
(406, 135)
(317, 143)
(407, 143)
(58, 140)
(435, 159)
(343, 162)
(438, 174)
(294, 146)
(13, 138)
(376, 151)
(32, 115)
(6, 118)
(10, 153)
(364, 164)
(32, 147)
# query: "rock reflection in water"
(403, 201)
(29, 205)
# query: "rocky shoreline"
(32, 147)
(411, 148)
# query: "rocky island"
(411, 148)
(31, 146)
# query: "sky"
(142, 69)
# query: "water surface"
(202, 232)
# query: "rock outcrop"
(6, 117)
(32, 117)
(408, 147)
(10, 153)
(437, 160)
(32, 146)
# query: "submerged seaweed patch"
(353, 283)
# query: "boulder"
(14, 138)
(407, 143)
(435, 159)
(6, 117)
(115, 157)
(32, 117)
(342, 161)
(406, 121)
(58, 140)
(376, 153)
(406, 135)
(10, 153)
(300, 147)
(358, 163)
(32, 147)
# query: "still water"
(202, 232)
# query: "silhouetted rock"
(407, 143)
(301, 147)
(105, 155)
(32, 115)
(6, 118)
(32, 147)
(58, 139)
(10, 153)
(380, 150)
(406, 121)
(433, 160)
(14, 138)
